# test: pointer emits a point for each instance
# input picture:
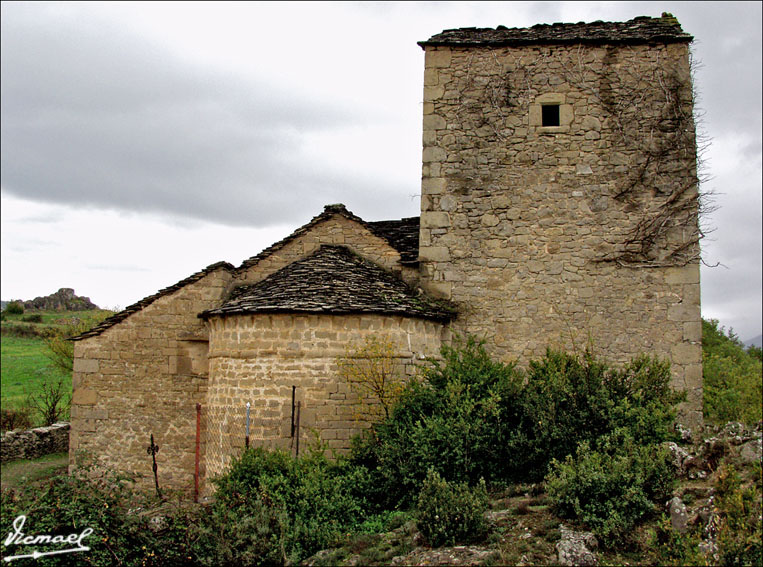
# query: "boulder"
(679, 519)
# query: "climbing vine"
(647, 110)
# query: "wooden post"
(198, 451)
(248, 405)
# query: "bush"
(14, 308)
(469, 417)
(448, 421)
(106, 504)
(450, 513)
(732, 386)
(611, 486)
(33, 318)
(15, 418)
(52, 401)
(293, 507)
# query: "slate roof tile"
(642, 29)
(333, 280)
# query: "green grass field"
(25, 368)
(24, 361)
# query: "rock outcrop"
(63, 300)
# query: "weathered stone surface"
(576, 548)
(678, 516)
(751, 451)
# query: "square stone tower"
(559, 191)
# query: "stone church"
(559, 207)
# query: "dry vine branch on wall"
(650, 113)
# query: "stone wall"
(258, 358)
(581, 234)
(143, 376)
(33, 443)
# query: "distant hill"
(757, 341)
(63, 300)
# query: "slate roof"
(642, 29)
(333, 280)
(146, 301)
(402, 235)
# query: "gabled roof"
(402, 235)
(146, 301)
(401, 240)
(642, 29)
(333, 280)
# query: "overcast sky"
(143, 142)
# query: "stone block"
(437, 58)
(85, 365)
(434, 254)
(682, 275)
(686, 353)
(683, 312)
(84, 397)
(433, 219)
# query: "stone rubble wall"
(515, 215)
(143, 376)
(258, 358)
(33, 443)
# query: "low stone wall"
(34, 443)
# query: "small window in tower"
(550, 115)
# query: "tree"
(371, 371)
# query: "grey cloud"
(96, 117)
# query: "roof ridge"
(641, 29)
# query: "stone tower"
(559, 190)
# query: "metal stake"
(293, 396)
(152, 450)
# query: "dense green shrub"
(733, 389)
(448, 421)
(292, 507)
(570, 398)
(469, 417)
(450, 513)
(106, 504)
(32, 318)
(14, 308)
(611, 484)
